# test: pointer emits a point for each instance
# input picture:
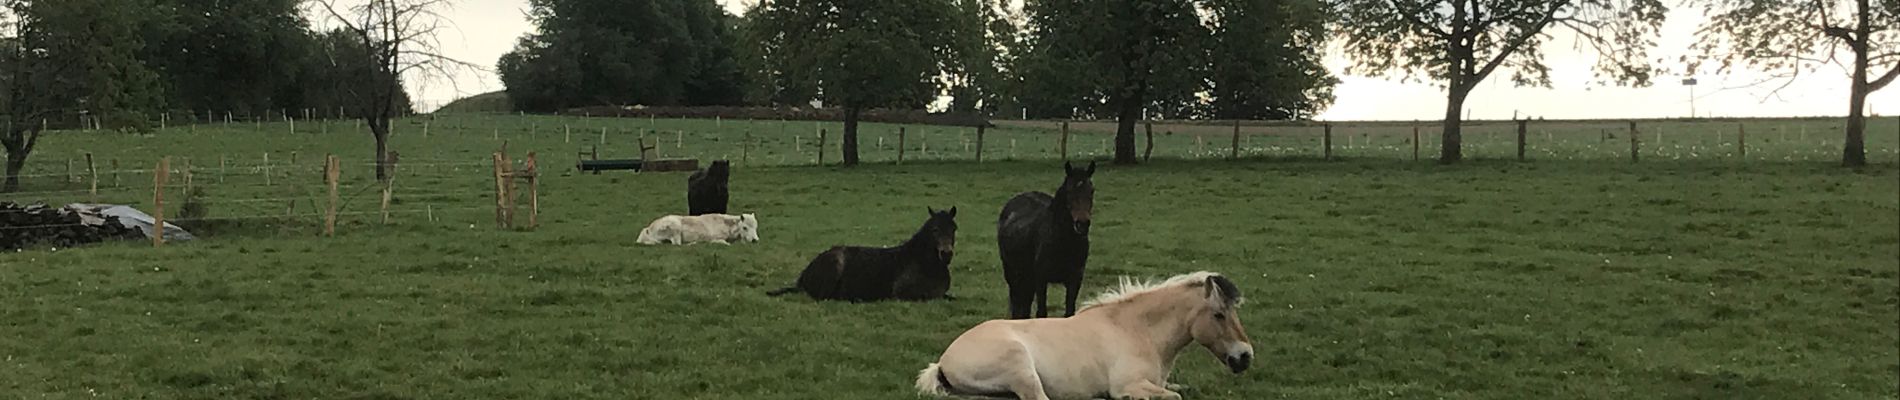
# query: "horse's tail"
(784, 291)
(931, 382)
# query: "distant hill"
(491, 102)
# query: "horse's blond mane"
(1129, 288)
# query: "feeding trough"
(590, 161)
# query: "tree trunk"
(16, 161)
(380, 130)
(1854, 149)
(1452, 150)
(850, 143)
(1125, 130)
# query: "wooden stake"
(115, 173)
(901, 137)
(1063, 145)
(1741, 140)
(1521, 125)
(821, 147)
(267, 168)
(1327, 143)
(745, 147)
(979, 143)
(567, 134)
(389, 187)
(332, 173)
(94, 172)
(1236, 152)
(533, 173)
(1414, 142)
(220, 168)
(1147, 154)
(603, 136)
(1634, 147)
(159, 176)
(501, 191)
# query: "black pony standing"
(917, 270)
(1044, 239)
(706, 189)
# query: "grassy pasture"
(1373, 277)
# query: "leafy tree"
(59, 58)
(665, 52)
(976, 70)
(1117, 58)
(1265, 59)
(1458, 43)
(1795, 37)
(856, 54)
(226, 55)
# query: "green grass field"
(1701, 276)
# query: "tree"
(1116, 58)
(399, 38)
(1458, 43)
(226, 55)
(858, 54)
(61, 58)
(977, 68)
(1265, 60)
(1795, 37)
(585, 52)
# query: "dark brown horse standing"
(1044, 239)
(917, 270)
(706, 189)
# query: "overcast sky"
(485, 29)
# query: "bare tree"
(1789, 38)
(400, 39)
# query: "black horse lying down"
(917, 270)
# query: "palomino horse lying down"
(716, 228)
(1119, 346)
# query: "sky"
(483, 30)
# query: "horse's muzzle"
(1239, 363)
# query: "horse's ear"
(931, 210)
(1091, 171)
(1068, 169)
(953, 211)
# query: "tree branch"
(1416, 21)
(1883, 80)
(1512, 46)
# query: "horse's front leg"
(1042, 300)
(1074, 288)
(1144, 390)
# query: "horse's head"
(942, 230)
(1078, 191)
(1216, 324)
(719, 168)
(747, 228)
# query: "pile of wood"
(38, 225)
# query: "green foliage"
(1264, 60)
(228, 55)
(854, 53)
(1457, 43)
(595, 52)
(1100, 59)
(980, 58)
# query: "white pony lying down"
(716, 228)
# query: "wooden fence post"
(1741, 140)
(1327, 143)
(1235, 155)
(69, 171)
(159, 176)
(508, 187)
(533, 173)
(221, 168)
(501, 192)
(821, 147)
(567, 134)
(1520, 138)
(979, 143)
(1414, 142)
(745, 147)
(389, 188)
(901, 137)
(94, 172)
(1149, 152)
(332, 171)
(115, 173)
(267, 168)
(1063, 146)
(1634, 147)
(603, 136)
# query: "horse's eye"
(1220, 316)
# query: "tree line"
(124, 62)
(1131, 60)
